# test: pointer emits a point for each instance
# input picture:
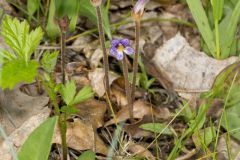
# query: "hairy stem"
(135, 61)
(127, 87)
(63, 46)
(102, 43)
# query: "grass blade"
(201, 20)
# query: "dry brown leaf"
(134, 131)
(18, 136)
(82, 136)
(143, 152)
(119, 95)
(97, 76)
(189, 70)
(92, 111)
(140, 109)
(17, 107)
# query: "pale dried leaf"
(188, 69)
(222, 149)
(18, 136)
(97, 80)
(17, 107)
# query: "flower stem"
(127, 87)
(102, 43)
(63, 46)
(135, 61)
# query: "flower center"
(120, 48)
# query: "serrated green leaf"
(84, 94)
(87, 155)
(16, 35)
(201, 20)
(68, 92)
(17, 71)
(49, 61)
(38, 144)
(86, 9)
(157, 128)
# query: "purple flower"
(139, 7)
(118, 47)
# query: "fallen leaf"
(82, 136)
(222, 149)
(189, 70)
(97, 76)
(141, 151)
(140, 109)
(17, 107)
(92, 111)
(135, 132)
(18, 136)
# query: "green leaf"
(52, 28)
(230, 33)
(38, 144)
(217, 6)
(86, 9)
(69, 109)
(201, 20)
(205, 136)
(87, 155)
(32, 6)
(157, 128)
(16, 35)
(233, 118)
(84, 94)
(68, 92)
(49, 61)
(17, 71)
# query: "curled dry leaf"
(140, 109)
(143, 152)
(97, 80)
(18, 136)
(82, 136)
(92, 111)
(17, 107)
(189, 70)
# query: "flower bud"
(64, 23)
(138, 9)
(96, 3)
